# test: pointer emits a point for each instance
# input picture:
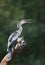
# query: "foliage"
(11, 11)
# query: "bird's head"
(23, 22)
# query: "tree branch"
(15, 53)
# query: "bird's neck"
(20, 28)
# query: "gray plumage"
(14, 36)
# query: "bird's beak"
(23, 22)
(27, 21)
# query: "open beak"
(27, 22)
(24, 21)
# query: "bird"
(14, 36)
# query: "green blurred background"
(11, 11)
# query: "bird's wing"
(11, 36)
